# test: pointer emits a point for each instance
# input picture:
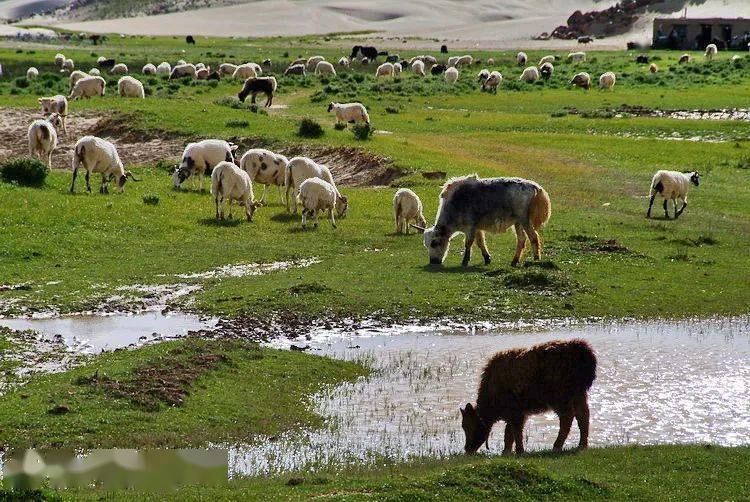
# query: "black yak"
(371, 53)
(517, 383)
(255, 85)
(190, 40)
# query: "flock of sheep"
(307, 182)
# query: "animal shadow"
(213, 222)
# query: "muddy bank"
(624, 111)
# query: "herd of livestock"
(468, 205)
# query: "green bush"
(362, 132)
(309, 128)
(151, 199)
(26, 171)
(339, 126)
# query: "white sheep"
(149, 69)
(313, 61)
(183, 70)
(577, 57)
(418, 67)
(324, 68)
(68, 64)
(491, 61)
(202, 74)
(59, 59)
(397, 69)
(129, 87)
(97, 155)
(100, 60)
(344, 62)
(530, 75)
(230, 183)
(181, 62)
(582, 80)
(451, 75)
(227, 69)
(87, 87)
(164, 68)
(607, 80)
(245, 71)
(32, 73)
(43, 137)
(736, 59)
(407, 207)
(75, 76)
(94, 72)
(317, 195)
(711, 51)
(200, 66)
(384, 70)
(672, 185)
(654, 68)
(119, 69)
(59, 105)
(546, 70)
(452, 61)
(522, 59)
(547, 59)
(349, 112)
(300, 169)
(265, 167)
(465, 60)
(201, 157)
(685, 58)
(493, 81)
(483, 75)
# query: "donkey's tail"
(540, 209)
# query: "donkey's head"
(477, 431)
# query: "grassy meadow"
(602, 257)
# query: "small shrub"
(237, 123)
(21, 82)
(309, 128)
(165, 165)
(362, 132)
(339, 126)
(391, 109)
(151, 199)
(26, 171)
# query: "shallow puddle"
(661, 382)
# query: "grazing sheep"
(103, 62)
(129, 87)
(300, 169)
(190, 40)
(97, 155)
(516, 383)
(266, 63)
(344, 62)
(317, 195)
(203, 74)
(641, 59)
(302, 61)
(119, 69)
(313, 61)
(711, 51)
(230, 183)
(68, 64)
(522, 59)
(245, 71)
(529, 75)
(252, 86)
(265, 167)
(736, 59)
(199, 66)
(87, 87)
(75, 77)
(164, 68)
(32, 73)
(473, 206)
(392, 58)
(295, 69)
(397, 69)
(59, 105)
(483, 75)
(227, 69)
(180, 62)
(607, 80)
(576, 57)
(582, 80)
(418, 67)
(547, 59)
(492, 82)
(94, 72)
(384, 70)
(452, 61)
(43, 138)
(200, 158)
(464, 61)
(672, 185)
(364, 61)
(451, 75)
(491, 61)
(654, 68)
(324, 68)
(685, 58)
(59, 59)
(438, 69)
(407, 207)
(149, 69)
(546, 70)
(183, 70)
(349, 112)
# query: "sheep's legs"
(49, 160)
(269, 101)
(518, 434)
(520, 244)
(467, 250)
(509, 437)
(330, 216)
(534, 237)
(666, 211)
(249, 209)
(230, 209)
(88, 180)
(304, 219)
(684, 205)
(265, 195)
(582, 417)
(482, 244)
(315, 218)
(398, 225)
(216, 200)
(566, 420)
(73, 184)
(650, 205)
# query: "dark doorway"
(706, 35)
(726, 32)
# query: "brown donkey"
(517, 383)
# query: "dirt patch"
(730, 114)
(169, 380)
(595, 245)
(350, 166)
(135, 147)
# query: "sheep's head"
(437, 241)
(122, 179)
(695, 178)
(181, 173)
(342, 205)
(330, 107)
(55, 120)
(475, 429)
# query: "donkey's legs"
(521, 244)
(482, 244)
(535, 241)
(467, 252)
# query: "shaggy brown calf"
(517, 383)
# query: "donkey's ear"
(463, 411)
(469, 407)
